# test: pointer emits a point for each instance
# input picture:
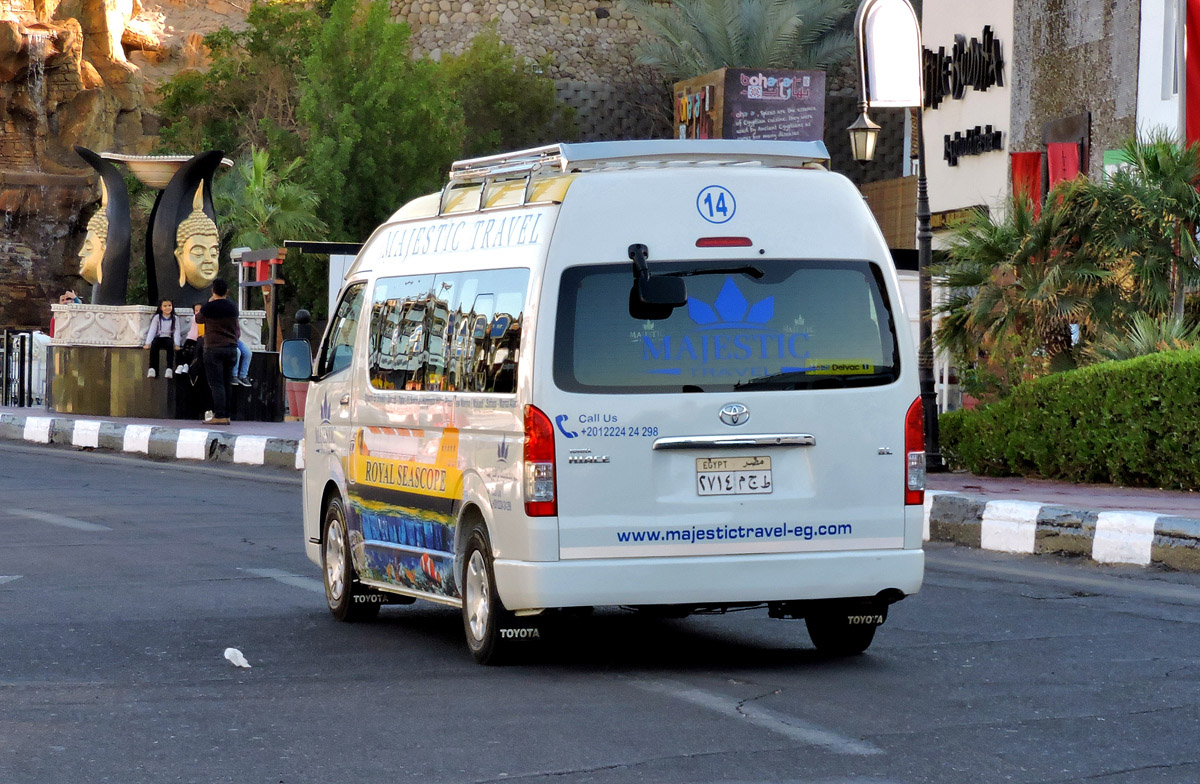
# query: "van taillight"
(914, 454)
(724, 242)
(539, 465)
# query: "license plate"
(733, 475)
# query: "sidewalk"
(248, 443)
(1110, 525)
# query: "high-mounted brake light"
(724, 242)
(540, 486)
(914, 454)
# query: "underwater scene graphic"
(412, 548)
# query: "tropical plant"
(381, 127)
(1145, 220)
(507, 101)
(694, 37)
(259, 206)
(1018, 274)
(1147, 335)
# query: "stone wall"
(1075, 56)
(587, 40)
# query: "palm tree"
(1147, 335)
(1019, 277)
(694, 37)
(1146, 218)
(259, 206)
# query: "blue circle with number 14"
(716, 204)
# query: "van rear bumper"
(527, 585)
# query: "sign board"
(752, 103)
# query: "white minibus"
(672, 376)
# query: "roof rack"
(589, 156)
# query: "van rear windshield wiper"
(801, 379)
(747, 269)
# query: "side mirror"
(655, 297)
(295, 360)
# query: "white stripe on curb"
(192, 444)
(1124, 537)
(37, 429)
(1009, 526)
(300, 455)
(250, 450)
(929, 496)
(137, 439)
(86, 433)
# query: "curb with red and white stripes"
(1028, 527)
(154, 441)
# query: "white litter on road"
(235, 656)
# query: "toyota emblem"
(735, 414)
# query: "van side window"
(339, 345)
(403, 311)
(475, 338)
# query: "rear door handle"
(346, 399)
(736, 442)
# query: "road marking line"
(1009, 526)
(763, 718)
(86, 433)
(192, 444)
(8, 578)
(300, 455)
(1124, 537)
(37, 429)
(307, 583)
(251, 450)
(53, 519)
(137, 439)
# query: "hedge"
(1135, 423)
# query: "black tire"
(348, 599)
(842, 632)
(484, 615)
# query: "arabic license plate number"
(733, 475)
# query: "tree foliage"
(694, 37)
(507, 103)
(382, 127)
(248, 96)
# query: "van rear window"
(764, 324)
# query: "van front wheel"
(841, 632)
(348, 599)
(484, 617)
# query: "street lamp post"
(889, 59)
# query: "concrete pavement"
(1109, 525)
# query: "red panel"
(1192, 70)
(1027, 177)
(1063, 159)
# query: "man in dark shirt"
(220, 319)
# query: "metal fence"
(22, 376)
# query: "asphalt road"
(122, 582)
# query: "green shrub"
(1128, 423)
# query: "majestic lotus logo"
(731, 310)
(325, 410)
(502, 450)
(734, 414)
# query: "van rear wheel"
(843, 631)
(484, 616)
(348, 599)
